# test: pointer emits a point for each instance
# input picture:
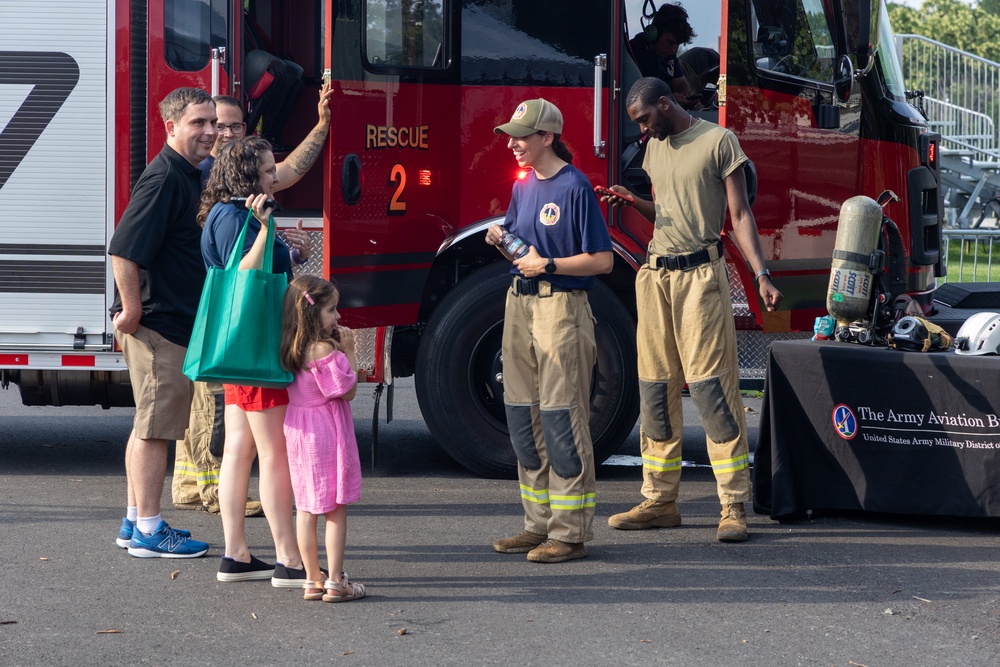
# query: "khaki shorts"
(161, 391)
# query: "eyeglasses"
(236, 128)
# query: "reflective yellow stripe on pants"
(570, 503)
(540, 496)
(659, 464)
(731, 465)
(203, 477)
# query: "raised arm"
(294, 167)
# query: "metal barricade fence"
(950, 75)
(969, 255)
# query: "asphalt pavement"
(847, 590)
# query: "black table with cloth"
(850, 427)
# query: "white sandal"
(342, 591)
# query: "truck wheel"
(459, 374)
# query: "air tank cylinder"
(852, 282)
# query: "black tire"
(458, 370)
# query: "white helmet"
(980, 334)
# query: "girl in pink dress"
(319, 430)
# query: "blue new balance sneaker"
(125, 533)
(165, 543)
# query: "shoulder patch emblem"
(549, 215)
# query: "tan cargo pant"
(548, 361)
(686, 333)
(196, 470)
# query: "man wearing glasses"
(196, 465)
(292, 168)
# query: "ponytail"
(561, 151)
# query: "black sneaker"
(232, 570)
(287, 577)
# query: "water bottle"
(514, 246)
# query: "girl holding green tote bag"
(254, 416)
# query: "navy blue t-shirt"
(222, 227)
(561, 217)
(205, 167)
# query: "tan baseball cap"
(532, 116)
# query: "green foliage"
(905, 20)
(953, 22)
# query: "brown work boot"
(518, 544)
(195, 505)
(254, 508)
(647, 514)
(733, 526)
(554, 551)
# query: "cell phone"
(241, 202)
(606, 192)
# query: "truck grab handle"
(600, 64)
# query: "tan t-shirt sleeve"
(688, 173)
(730, 156)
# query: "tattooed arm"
(294, 167)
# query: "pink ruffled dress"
(319, 431)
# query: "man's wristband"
(297, 258)
(762, 272)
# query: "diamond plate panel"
(364, 345)
(364, 339)
(739, 295)
(752, 346)
(315, 264)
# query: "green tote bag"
(237, 330)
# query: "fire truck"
(412, 174)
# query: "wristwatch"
(551, 266)
(762, 272)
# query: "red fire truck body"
(413, 175)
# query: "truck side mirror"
(843, 79)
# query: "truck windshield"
(888, 59)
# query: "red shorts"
(255, 399)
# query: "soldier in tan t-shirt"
(686, 332)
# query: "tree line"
(975, 28)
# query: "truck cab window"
(793, 37)
(405, 34)
(191, 28)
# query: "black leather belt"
(529, 286)
(686, 262)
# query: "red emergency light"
(929, 150)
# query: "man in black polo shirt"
(159, 274)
